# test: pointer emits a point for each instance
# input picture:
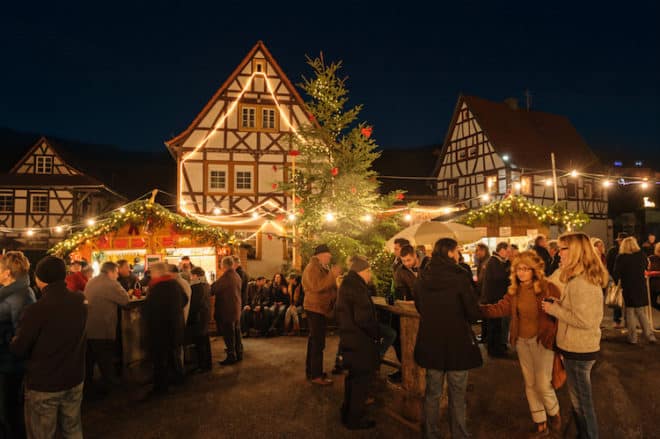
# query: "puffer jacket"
(13, 300)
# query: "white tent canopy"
(428, 232)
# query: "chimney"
(512, 103)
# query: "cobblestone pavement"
(266, 396)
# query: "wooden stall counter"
(406, 402)
(134, 347)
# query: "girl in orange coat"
(532, 332)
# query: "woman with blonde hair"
(599, 245)
(629, 267)
(533, 333)
(579, 313)
(15, 295)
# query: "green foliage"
(334, 175)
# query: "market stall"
(144, 232)
(517, 220)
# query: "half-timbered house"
(232, 156)
(497, 148)
(43, 192)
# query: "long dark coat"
(358, 327)
(496, 279)
(200, 309)
(163, 312)
(629, 268)
(244, 286)
(227, 292)
(447, 305)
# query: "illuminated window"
(268, 118)
(491, 183)
(526, 185)
(44, 164)
(243, 180)
(39, 204)
(6, 203)
(248, 117)
(218, 179)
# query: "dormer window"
(44, 164)
(259, 66)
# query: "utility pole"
(554, 176)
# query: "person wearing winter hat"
(52, 339)
(359, 340)
(320, 285)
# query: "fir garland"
(557, 214)
(146, 213)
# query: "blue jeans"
(456, 385)
(578, 377)
(44, 411)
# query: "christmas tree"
(336, 190)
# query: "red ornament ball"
(270, 237)
(334, 171)
(311, 117)
(353, 190)
(274, 185)
(399, 196)
(366, 131)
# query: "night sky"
(134, 75)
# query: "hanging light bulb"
(505, 157)
(548, 182)
(645, 185)
(446, 210)
(90, 222)
(517, 185)
(217, 211)
(607, 183)
(329, 217)
(255, 214)
(574, 173)
(408, 217)
(291, 217)
(485, 197)
(30, 232)
(59, 229)
(122, 209)
(367, 218)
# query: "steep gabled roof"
(260, 46)
(528, 137)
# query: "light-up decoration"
(548, 182)
(408, 217)
(648, 203)
(231, 109)
(505, 157)
(217, 211)
(329, 217)
(367, 218)
(485, 197)
(59, 229)
(517, 185)
(255, 215)
(574, 173)
(607, 183)
(30, 232)
(291, 217)
(90, 222)
(122, 210)
(645, 185)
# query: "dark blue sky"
(135, 74)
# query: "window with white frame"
(6, 203)
(217, 179)
(244, 180)
(44, 164)
(39, 203)
(268, 118)
(248, 117)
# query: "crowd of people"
(546, 302)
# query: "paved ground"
(266, 396)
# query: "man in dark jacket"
(199, 316)
(541, 249)
(163, 313)
(254, 290)
(610, 259)
(245, 279)
(227, 292)
(446, 346)
(359, 341)
(495, 285)
(126, 278)
(51, 337)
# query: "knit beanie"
(50, 269)
(359, 263)
(323, 248)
